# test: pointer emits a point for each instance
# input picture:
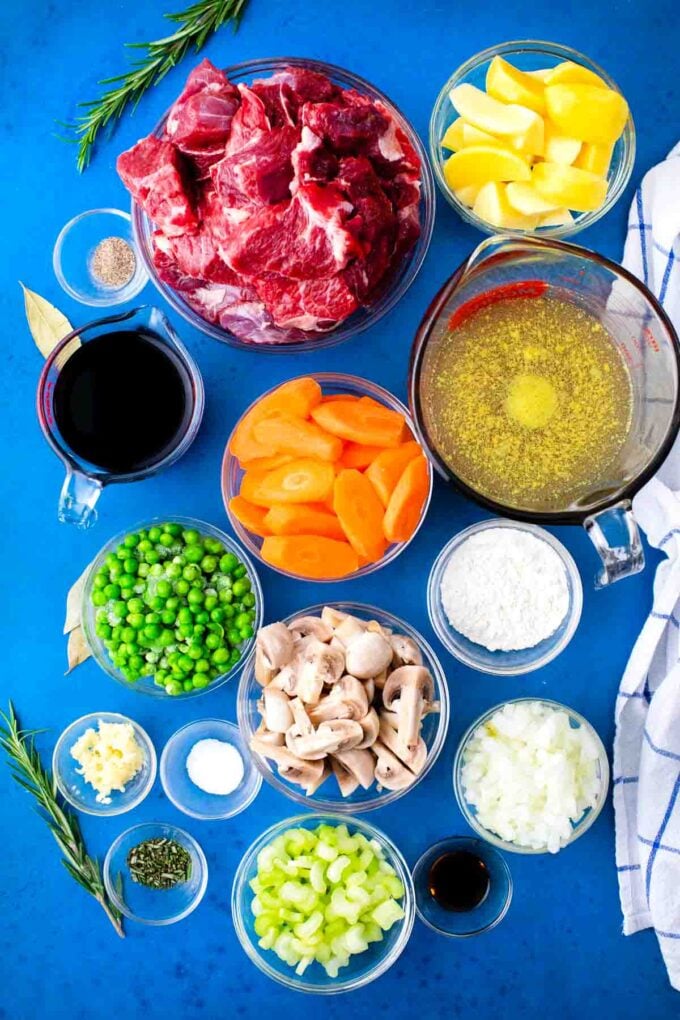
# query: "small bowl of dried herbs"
(155, 873)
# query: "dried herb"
(47, 324)
(29, 773)
(159, 863)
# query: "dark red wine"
(123, 401)
(459, 880)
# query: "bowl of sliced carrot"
(323, 480)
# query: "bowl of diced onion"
(323, 903)
(531, 776)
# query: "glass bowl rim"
(393, 293)
(615, 186)
(248, 763)
(448, 841)
(587, 820)
(197, 853)
(339, 379)
(106, 810)
(393, 855)
(437, 613)
(88, 612)
(349, 807)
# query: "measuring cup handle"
(79, 493)
(615, 535)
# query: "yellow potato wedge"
(595, 158)
(588, 112)
(479, 164)
(490, 115)
(559, 148)
(568, 186)
(493, 207)
(569, 73)
(524, 199)
(510, 85)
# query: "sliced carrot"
(407, 501)
(311, 556)
(385, 471)
(304, 480)
(356, 455)
(338, 396)
(360, 422)
(286, 433)
(250, 516)
(303, 519)
(360, 513)
(298, 396)
(266, 463)
(249, 485)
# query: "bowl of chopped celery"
(323, 903)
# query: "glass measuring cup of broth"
(544, 385)
(118, 400)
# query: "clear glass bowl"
(146, 684)
(363, 967)
(74, 249)
(588, 817)
(527, 55)
(395, 287)
(465, 923)
(188, 797)
(154, 906)
(80, 794)
(504, 663)
(232, 474)
(328, 796)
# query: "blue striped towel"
(647, 742)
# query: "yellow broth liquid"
(528, 402)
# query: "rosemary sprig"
(197, 22)
(29, 773)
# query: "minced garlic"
(109, 757)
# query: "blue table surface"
(560, 951)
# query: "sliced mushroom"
(265, 736)
(314, 785)
(411, 689)
(332, 617)
(370, 725)
(276, 710)
(347, 700)
(359, 763)
(350, 628)
(287, 678)
(405, 652)
(369, 687)
(346, 781)
(377, 628)
(391, 718)
(300, 720)
(414, 760)
(306, 774)
(368, 654)
(390, 773)
(319, 664)
(273, 650)
(310, 626)
(330, 737)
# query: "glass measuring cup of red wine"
(118, 399)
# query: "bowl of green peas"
(171, 607)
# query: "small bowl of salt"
(504, 597)
(207, 770)
(95, 259)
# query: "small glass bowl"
(588, 817)
(363, 967)
(328, 796)
(146, 684)
(80, 794)
(500, 663)
(154, 906)
(188, 797)
(527, 55)
(74, 249)
(394, 287)
(232, 475)
(465, 923)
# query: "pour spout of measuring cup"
(79, 493)
(616, 537)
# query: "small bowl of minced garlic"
(104, 764)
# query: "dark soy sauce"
(123, 401)
(459, 881)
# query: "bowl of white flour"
(504, 597)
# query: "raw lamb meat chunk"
(250, 122)
(307, 86)
(195, 255)
(152, 172)
(200, 120)
(374, 223)
(280, 102)
(349, 127)
(309, 305)
(312, 161)
(261, 172)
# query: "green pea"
(185, 615)
(220, 656)
(121, 552)
(216, 615)
(168, 617)
(202, 666)
(101, 579)
(173, 529)
(190, 536)
(156, 570)
(226, 596)
(209, 564)
(151, 556)
(228, 562)
(182, 586)
(136, 661)
(103, 630)
(233, 636)
(131, 541)
(173, 603)
(166, 639)
(115, 571)
(249, 600)
(194, 553)
(188, 684)
(136, 620)
(154, 533)
(241, 587)
(229, 612)
(186, 663)
(173, 571)
(210, 602)
(143, 570)
(212, 641)
(164, 589)
(195, 597)
(247, 632)
(152, 631)
(166, 540)
(191, 572)
(242, 620)
(173, 688)
(131, 565)
(240, 571)
(201, 680)
(234, 656)
(99, 598)
(157, 603)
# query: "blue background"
(559, 952)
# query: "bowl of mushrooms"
(344, 706)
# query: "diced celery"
(325, 851)
(307, 928)
(386, 914)
(366, 857)
(317, 877)
(265, 923)
(386, 868)
(267, 941)
(323, 952)
(394, 885)
(293, 892)
(303, 965)
(372, 932)
(355, 894)
(355, 940)
(256, 906)
(335, 868)
(334, 928)
(334, 964)
(291, 916)
(356, 878)
(255, 884)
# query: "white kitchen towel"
(647, 742)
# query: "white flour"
(505, 589)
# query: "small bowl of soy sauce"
(463, 887)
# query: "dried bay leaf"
(77, 650)
(47, 324)
(74, 601)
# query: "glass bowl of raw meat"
(281, 204)
(403, 710)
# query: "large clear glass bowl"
(527, 55)
(232, 475)
(391, 290)
(363, 967)
(328, 796)
(96, 645)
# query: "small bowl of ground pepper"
(95, 259)
(155, 873)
